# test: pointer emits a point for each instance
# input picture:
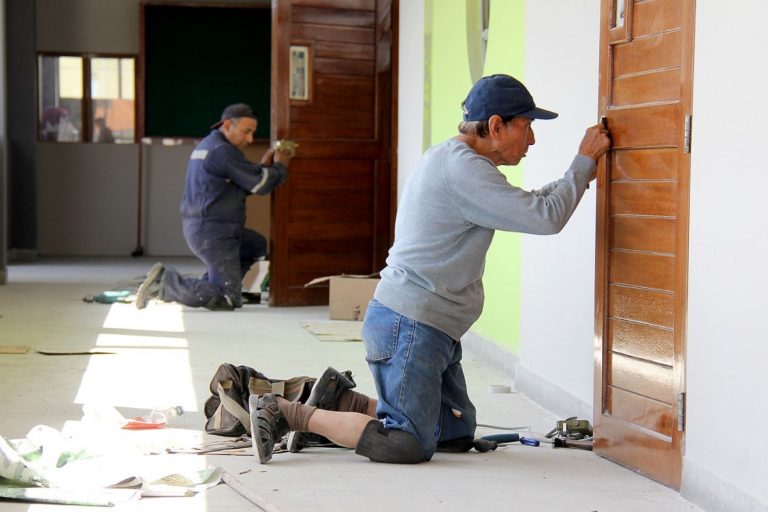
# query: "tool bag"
(226, 409)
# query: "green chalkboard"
(201, 59)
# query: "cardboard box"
(349, 295)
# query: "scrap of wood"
(74, 353)
(14, 349)
(240, 488)
(337, 330)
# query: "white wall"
(726, 462)
(557, 292)
(410, 94)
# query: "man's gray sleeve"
(486, 198)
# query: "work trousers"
(419, 380)
(228, 251)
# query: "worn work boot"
(152, 286)
(324, 395)
(220, 303)
(268, 425)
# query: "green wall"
(448, 79)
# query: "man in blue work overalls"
(219, 178)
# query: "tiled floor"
(166, 355)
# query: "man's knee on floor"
(387, 445)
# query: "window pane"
(61, 98)
(112, 94)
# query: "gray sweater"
(453, 202)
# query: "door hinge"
(687, 134)
(680, 412)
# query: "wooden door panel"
(333, 214)
(641, 341)
(334, 34)
(642, 377)
(329, 17)
(651, 234)
(345, 66)
(641, 269)
(649, 306)
(642, 411)
(344, 50)
(643, 198)
(657, 125)
(644, 164)
(642, 246)
(647, 88)
(631, 441)
(652, 53)
(654, 17)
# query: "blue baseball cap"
(502, 95)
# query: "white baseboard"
(558, 401)
(702, 488)
(492, 354)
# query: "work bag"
(227, 410)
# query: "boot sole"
(259, 450)
(152, 275)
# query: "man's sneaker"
(324, 395)
(151, 287)
(268, 425)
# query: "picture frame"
(299, 73)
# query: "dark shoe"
(220, 303)
(268, 425)
(251, 298)
(329, 387)
(324, 395)
(151, 287)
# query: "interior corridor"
(166, 355)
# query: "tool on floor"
(579, 444)
(511, 437)
(571, 428)
(529, 441)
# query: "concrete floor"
(166, 355)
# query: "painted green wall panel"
(448, 43)
(500, 320)
(450, 79)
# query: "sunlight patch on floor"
(145, 371)
(164, 317)
(133, 341)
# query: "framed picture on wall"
(299, 69)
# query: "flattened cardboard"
(348, 295)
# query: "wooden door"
(332, 83)
(642, 242)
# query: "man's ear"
(495, 124)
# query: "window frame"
(86, 121)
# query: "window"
(87, 98)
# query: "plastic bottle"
(164, 416)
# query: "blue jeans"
(419, 380)
(228, 251)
